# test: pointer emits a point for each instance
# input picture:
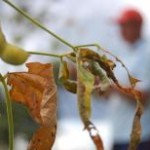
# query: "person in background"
(134, 51)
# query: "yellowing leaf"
(63, 71)
(69, 85)
(85, 81)
(89, 54)
(36, 89)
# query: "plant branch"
(37, 23)
(9, 114)
(88, 45)
(44, 54)
(49, 54)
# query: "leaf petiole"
(48, 54)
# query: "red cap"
(130, 15)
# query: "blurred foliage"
(22, 122)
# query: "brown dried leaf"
(136, 127)
(133, 81)
(43, 139)
(36, 89)
(130, 91)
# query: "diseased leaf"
(36, 89)
(85, 83)
(43, 139)
(89, 54)
(108, 61)
(63, 71)
(106, 64)
(130, 91)
(68, 84)
(136, 128)
(104, 82)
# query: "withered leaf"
(36, 89)
(133, 80)
(68, 84)
(106, 64)
(136, 128)
(63, 71)
(85, 83)
(43, 138)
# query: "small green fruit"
(14, 55)
(2, 41)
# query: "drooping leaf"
(130, 91)
(85, 83)
(36, 89)
(136, 128)
(43, 138)
(63, 71)
(68, 84)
